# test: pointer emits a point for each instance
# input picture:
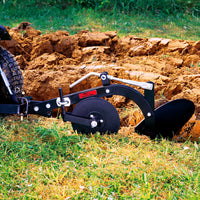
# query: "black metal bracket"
(62, 102)
(150, 95)
(104, 78)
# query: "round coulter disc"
(102, 111)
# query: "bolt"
(91, 116)
(101, 120)
(93, 124)
(148, 114)
(36, 108)
(107, 91)
(48, 105)
(103, 77)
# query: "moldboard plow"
(92, 113)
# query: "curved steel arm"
(83, 78)
(144, 85)
(134, 95)
(139, 99)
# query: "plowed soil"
(54, 60)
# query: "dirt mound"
(58, 59)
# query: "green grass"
(45, 159)
(50, 18)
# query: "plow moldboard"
(169, 118)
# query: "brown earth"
(58, 59)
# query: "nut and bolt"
(48, 105)
(36, 108)
(107, 91)
(148, 114)
(94, 124)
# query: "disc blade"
(169, 118)
(99, 109)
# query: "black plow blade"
(169, 118)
